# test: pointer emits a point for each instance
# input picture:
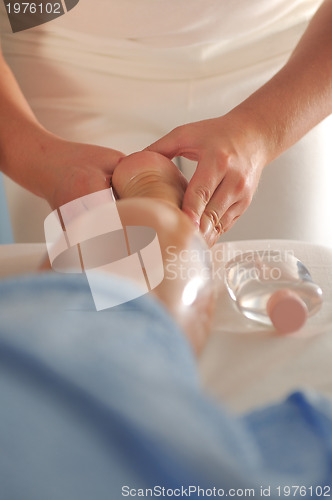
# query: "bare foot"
(149, 175)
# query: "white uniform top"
(140, 32)
(176, 23)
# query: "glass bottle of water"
(273, 288)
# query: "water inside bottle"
(252, 278)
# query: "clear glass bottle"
(273, 288)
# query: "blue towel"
(107, 405)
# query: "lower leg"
(187, 288)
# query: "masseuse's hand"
(230, 160)
(56, 169)
(72, 170)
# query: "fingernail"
(213, 240)
(206, 227)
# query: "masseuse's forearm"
(299, 96)
(21, 135)
(47, 165)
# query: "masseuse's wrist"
(26, 154)
(254, 138)
(268, 128)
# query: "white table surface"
(247, 365)
(20, 258)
